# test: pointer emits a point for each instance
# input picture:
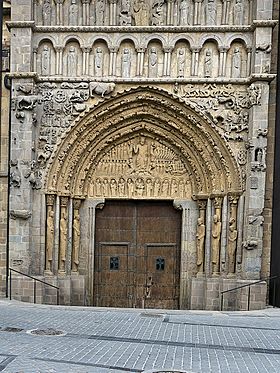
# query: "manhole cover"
(48, 331)
(12, 330)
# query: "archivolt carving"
(145, 138)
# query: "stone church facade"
(138, 149)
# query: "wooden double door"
(137, 255)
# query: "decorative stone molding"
(21, 214)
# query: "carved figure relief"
(62, 240)
(45, 61)
(76, 241)
(99, 12)
(15, 176)
(73, 13)
(185, 13)
(152, 170)
(158, 13)
(216, 238)
(49, 239)
(236, 63)
(232, 240)
(141, 13)
(181, 63)
(153, 62)
(238, 12)
(72, 60)
(208, 63)
(46, 12)
(126, 63)
(200, 238)
(211, 12)
(125, 13)
(98, 62)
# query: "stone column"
(170, 13)
(49, 249)
(222, 62)
(225, 12)
(249, 61)
(87, 243)
(59, 62)
(85, 65)
(59, 12)
(232, 235)
(188, 248)
(63, 234)
(197, 12)
(76, 236)
(85, 12)
(35, 53)
(216, 236)
(167, 61)
(113, 61)
(195, 59)
(113, 12)
(140, 61)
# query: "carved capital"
(217, 202)
(59, 49)
(35, 50)
(168, 49)
(63, 201)
(113, 49)
(202, 204)
(50, 199)
(195, 49)
(77, 203)
(223, 49)
(86, 49)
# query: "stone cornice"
(150, 29)
(22, 75)
(20, 24)
(265, 23)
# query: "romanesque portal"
(132, 105)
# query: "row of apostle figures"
(215, 240)
(154, 65)
(144, 12)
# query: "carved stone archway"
(143, 143)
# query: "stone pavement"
(59, 339)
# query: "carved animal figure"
(101, 88)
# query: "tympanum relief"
(141, 168)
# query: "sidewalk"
(50, 339)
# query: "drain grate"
(48, 331)
(11, 329)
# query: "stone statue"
(141, 156)
(153, 63)
(72, 62)
(141, 13)
(184, 13)
(158, 13)
(76, 242)
(126, 63)
(125, 13)
(238, 12)
(15, 177)
(211, 12)
(47, 12)
(232, 237)
(181, 63)
(98, 62)
(236, 63)
(99, 12)
(73, 13)
(62, 241)
(49, 240)
(216, 237)
(200, 237)
(45, 61)
(208, 63)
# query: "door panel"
(137, 255)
